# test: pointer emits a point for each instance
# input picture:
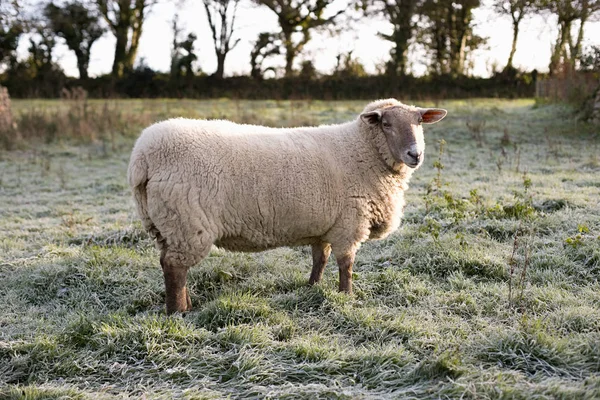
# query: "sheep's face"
(403, 131)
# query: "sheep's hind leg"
(320, 255)
(175, 266)
(175, 271)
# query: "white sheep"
(251, 188)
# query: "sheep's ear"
(432, 115)
(371, 117)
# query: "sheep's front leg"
(320, 255)
(345, 263)
(175, 274)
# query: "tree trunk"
(402, 36)
(133, 48)
(596, 106)
(400, 15)
(458, 40)
(559, 48)
(120, 51)
(290, 54)
(401, 55)
(220, 65)
(513, 49)
(576, 48)
(137, 16)
(461, 55)
(83, 61)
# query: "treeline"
(149, 84)
(443, 28)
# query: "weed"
(439, 166)
(435, 186)
(521, 209)
(499, 163)
(46, 164)
(476, 128)
(505, 139)
(476, 199)
(577, 240)
(72, 219)
(519, 263)
(432, 227)
(62, 177)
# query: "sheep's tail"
(137, 175)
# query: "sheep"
(196, 183)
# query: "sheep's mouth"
(412, 165)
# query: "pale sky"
(533, 51)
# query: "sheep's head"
(401, 126)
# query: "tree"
(297, 18)
(41, 47)
(189, 57)
(307, 70)
(590, 59)
(450, 35)
(182, 54)
(567, 50)
(37, 75)
(175, 50)
(347, 66)
(182, 64)
(516, 9)
(401, 14)
(79, 26)
(221, 20)
(11, 28)
(125, 19)
(267, 45)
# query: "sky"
(533, 51)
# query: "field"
(490, 288)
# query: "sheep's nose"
(415, 155)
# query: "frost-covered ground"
(452, 305)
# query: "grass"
(82, 295)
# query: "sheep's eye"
(420, 120)
(386, 124)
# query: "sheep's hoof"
(346, 289)
(188, 300)
(180, 305)
(182, 312)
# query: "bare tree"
(125, 19)
(298, 17)
(517, 10)
(79, 26)
(221, 19)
